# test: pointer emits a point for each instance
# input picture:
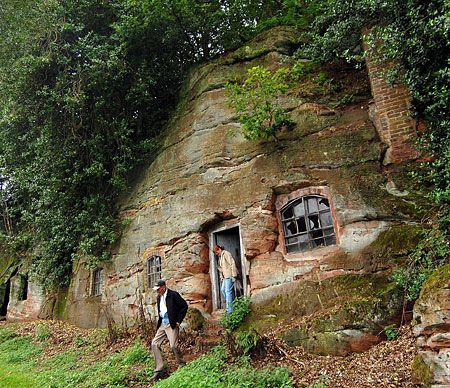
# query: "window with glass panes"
(96, 282)
(307, 223)
(154, 269)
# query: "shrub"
(391, 332)
(247, 340)
(321, 382)
(6, 334)
(432, 251)
(260, 114)
(241, 308)
(42, 332)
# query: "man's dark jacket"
(176, 308)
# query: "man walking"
(228, 273)
(172, 309)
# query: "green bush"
(247, 340)
(256, 102)
(432, 251)
(42, 332)
(241, 308)
(413, 35)
(6, 334)
(19, 350)
(391, 332)
(321, 382)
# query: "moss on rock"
(438, 279)
(334, 314)
(421, 372)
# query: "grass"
(13, 377)
(212, 370)
(69, 358)
(17, 355)
(23, 364)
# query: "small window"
(154, 269)
(307, 224)
(96, 282)
(22, 293)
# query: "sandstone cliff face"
(432, 328)
(207, 178)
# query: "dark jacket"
(176, 308)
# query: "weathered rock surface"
(335, 316)
(432, 328)
(207, 176)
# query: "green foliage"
(6, 334)
(42, 332)
(211, 370)
(69, 369)
(413, 34)
(241, 308)
(391, 332)
(80, 341)
(321, 382)
(136, 354)
(294, 12)
(19, 350)
(17, 357)
(86, 87)
(301, 70)
(256, 103)
(432, 251)
(247, 340)
(13, 377)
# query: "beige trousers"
(161, 334)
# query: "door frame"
(215, 283)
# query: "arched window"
(307, 223)
(154, 269)
(96, 288)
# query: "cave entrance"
(230, 238)
(5, 290)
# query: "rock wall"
(207, 177)
(25, 298)
(432, 328)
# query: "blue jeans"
(227, 292)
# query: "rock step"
(212, 330)
(206, 343)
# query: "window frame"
(97, 282)
(289, 200)
(153, 267)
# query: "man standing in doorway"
(172, 309)
(228, 273)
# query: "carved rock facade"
(208, 184)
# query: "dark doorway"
(5, 289)
(230, 239)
